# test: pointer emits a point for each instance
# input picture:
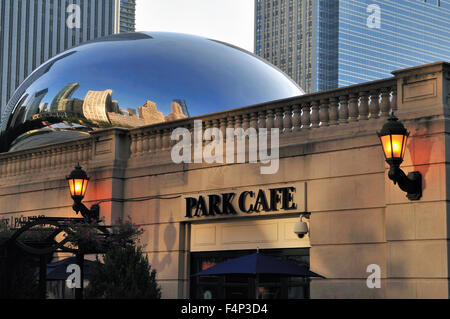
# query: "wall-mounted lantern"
(393, 136)
(78, 182)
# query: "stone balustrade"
(51, 157)
(332, 108)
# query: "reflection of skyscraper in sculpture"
(177, 112)
(184, 106)
(64, 94)
(150, 114)
(43, 107)
(35, 104)
(96, 105)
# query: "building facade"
(127, 15)
(331, 165)
(325, 44)
(34, 31)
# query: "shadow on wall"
(170, 235)
(420, 151)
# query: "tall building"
(33, 31)
(65, 93)
(325, 44)
(127, 15)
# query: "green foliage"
(125, 274)
(18, 282)
(88, 237)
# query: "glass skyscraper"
(33, 31)
(410, 32)
(127, 15)
(325, 44)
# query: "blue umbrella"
(256, 264)
(58, 270)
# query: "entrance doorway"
(248, 286)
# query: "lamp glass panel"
(71, 187)
(77, 187)
(83, 191)
(404, 145)
(393, 146)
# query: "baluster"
(215, 124)
(279, 119)
(315, 117)
(306, 116)
(41, 161)
(55, 158)
(237, 122)
(334, 116)
(158, 140)
(270, 119)
(394, 101)
(26, 169)
(343, 110)
(38, 161)
(208, 125)
(296, 118)
(151, 141)
(10, 162)
(13, 170)
(87, 152)
(374, 105)
(64, 156)
(231, 123)
(324, 112)
(27, 158)
(385, 102)
(166, 139)
(353, 107)
(81, 151)
(133, 144)
(223, 125)
(254, 120)
(2, 168)
(67, 155)
(287, 120)
(51, 158)
(146, 142)
(32, 162)
(139, 145)
(245, 122)
(7, 166)
(14, 166)
(262, 122)
(364, 106)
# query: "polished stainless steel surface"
(136, 79)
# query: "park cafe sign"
(285, 198)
